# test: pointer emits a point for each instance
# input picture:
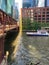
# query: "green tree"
(36, 25)
(26, 25)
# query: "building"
(26, 4)
(7, 6)
(41, 3)
(30, 3)
(47, 2)
(3, 5)
(16, 11)
(39, 14)
(34, 3)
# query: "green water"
(32, 49)
(37, 47)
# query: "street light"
(7, 53)
(6, 57)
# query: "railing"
(6, 19)
(6, 22)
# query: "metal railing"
(6, 22)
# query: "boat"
(38, 33)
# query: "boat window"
(43, 32)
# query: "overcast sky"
(19, 3)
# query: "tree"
(36, 25)
(26, 25)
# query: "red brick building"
(39, 14)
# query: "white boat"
(38, 33)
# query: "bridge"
(7, 23)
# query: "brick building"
(39, 14)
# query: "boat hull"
(35, 34)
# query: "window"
(47, 12)
(43, 15)
(39, 18)
(47, 15)
(48, 9)
(43, 18)
(47, 18)
(43, 12)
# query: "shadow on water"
(10, 37)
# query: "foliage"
(29, 25)
(36, 25)
(26, 25)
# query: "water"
(37, 49)
(32, 50)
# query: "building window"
(47, 18)
(47, 12)
(43, 15)
(43, 12)
(43, 18)
(48, 9)
(43, 9)
(35, 18)
(39, 18)
(39, 15)
(47, 15)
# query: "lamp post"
(7, 53)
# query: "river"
(32, 50)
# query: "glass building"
(9, 7)
(26, 3)
(3, 5)
(34, 3)
(30, 3)
(47, 2)
(41, 3)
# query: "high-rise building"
(9, 6)
(30, 3)
(16, 11)
(47, 2)
(34, 3)
(2, 5)
(43, 3)
(26, 3)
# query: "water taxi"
(38, 33)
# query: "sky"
(19, 3)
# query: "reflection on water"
(32, 50)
